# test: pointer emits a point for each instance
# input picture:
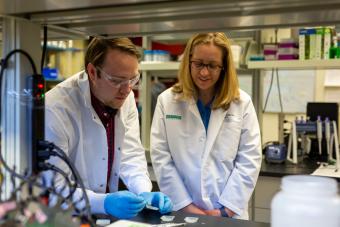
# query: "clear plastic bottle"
(148, 55)
(306, 201)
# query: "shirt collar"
(105, 113)
(201, 105)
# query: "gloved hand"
(123, 204)
(158, 199)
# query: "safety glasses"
(118, 83)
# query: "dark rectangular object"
(323, 109)
(36, 118)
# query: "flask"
(306, 201)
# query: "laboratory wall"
(324, 91)
(326, 88)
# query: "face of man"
(112, 82)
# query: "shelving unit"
(173, 65)
(149, 69)
(159, 66)
(56, 48)
(295, 64)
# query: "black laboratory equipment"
(39, 151)
(36, 116)
(33, 93)
(321, 110)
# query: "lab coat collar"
(84, 85)
(193, 108)
(215, 123)
(216, 120)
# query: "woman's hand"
(217, 212)
(191, 208)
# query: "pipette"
(328, 137)
(319, 133)
(336, 142)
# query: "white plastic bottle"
(306, 201)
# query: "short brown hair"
(227, 86)
(98, 48)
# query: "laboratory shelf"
(173, 65)
(57, 48)
(158, 66)
(295, 64)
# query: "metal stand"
(311, 128)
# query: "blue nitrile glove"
(123, 204)
(158, 199)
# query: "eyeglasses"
(117, 83)
(212, 68)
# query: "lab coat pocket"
(228, 138)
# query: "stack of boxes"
(270, 51)
(288, 50)
(316, 43)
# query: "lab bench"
(153, 217)
(267, 186)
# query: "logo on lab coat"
(231, 118)
(172, 116)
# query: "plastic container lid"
(309, 184)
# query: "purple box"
(288, 45)
(288, 56)
(269, 52)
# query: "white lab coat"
(74, 126)
(210, 169)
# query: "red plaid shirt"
(107, 117)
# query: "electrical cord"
(56, 151)
(59, 153)
(48, 166)
(53, 190)
(64, 200)
(49, 149)
(72, 187)
(4, 64)
(269, 90)
(43, 56)
(278, 89)
(34, 182)
(276, 71)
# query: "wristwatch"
(223, 212)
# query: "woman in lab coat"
(205, 137)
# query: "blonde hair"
(227, 86)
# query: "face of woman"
(206, 65)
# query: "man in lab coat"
(92, 117)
